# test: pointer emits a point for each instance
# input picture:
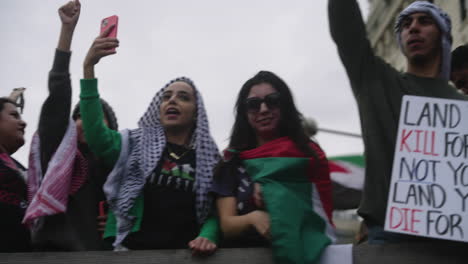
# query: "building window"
(463, 9)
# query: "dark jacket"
(14, 236)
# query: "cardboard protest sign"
(429, 187)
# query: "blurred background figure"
(459, 74)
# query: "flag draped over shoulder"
(297, 192)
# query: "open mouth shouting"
(172, 113)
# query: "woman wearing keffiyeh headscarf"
(269, 147)
(157, 191)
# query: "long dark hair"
(242, 134)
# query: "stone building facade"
(381, 20)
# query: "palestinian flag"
(297, 193)
(347, 174)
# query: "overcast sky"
(218, 44)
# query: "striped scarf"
(66, 173)
(142, 149)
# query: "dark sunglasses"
(253, 104)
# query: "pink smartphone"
(108, 22)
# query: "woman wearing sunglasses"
(273, 186)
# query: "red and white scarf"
(66, 173)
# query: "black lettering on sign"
(441, 224)
(434, 115)
(456, 145)
(418, 170)
(463, 198)
(433, 195)
(460, 173)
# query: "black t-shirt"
(169, 216)
(241, 187)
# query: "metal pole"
(341, 133)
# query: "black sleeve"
(345, 198)
(55, 112)
(349, 33)
(225, 182)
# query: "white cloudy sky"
(219, 44)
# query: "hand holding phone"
(104, 45)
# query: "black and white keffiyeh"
(142, 149)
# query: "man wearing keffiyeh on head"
(423, 33)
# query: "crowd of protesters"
(165, 184)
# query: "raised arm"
(104, 142)
(349, 33)
(55, 113)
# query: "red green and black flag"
(297, 192)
